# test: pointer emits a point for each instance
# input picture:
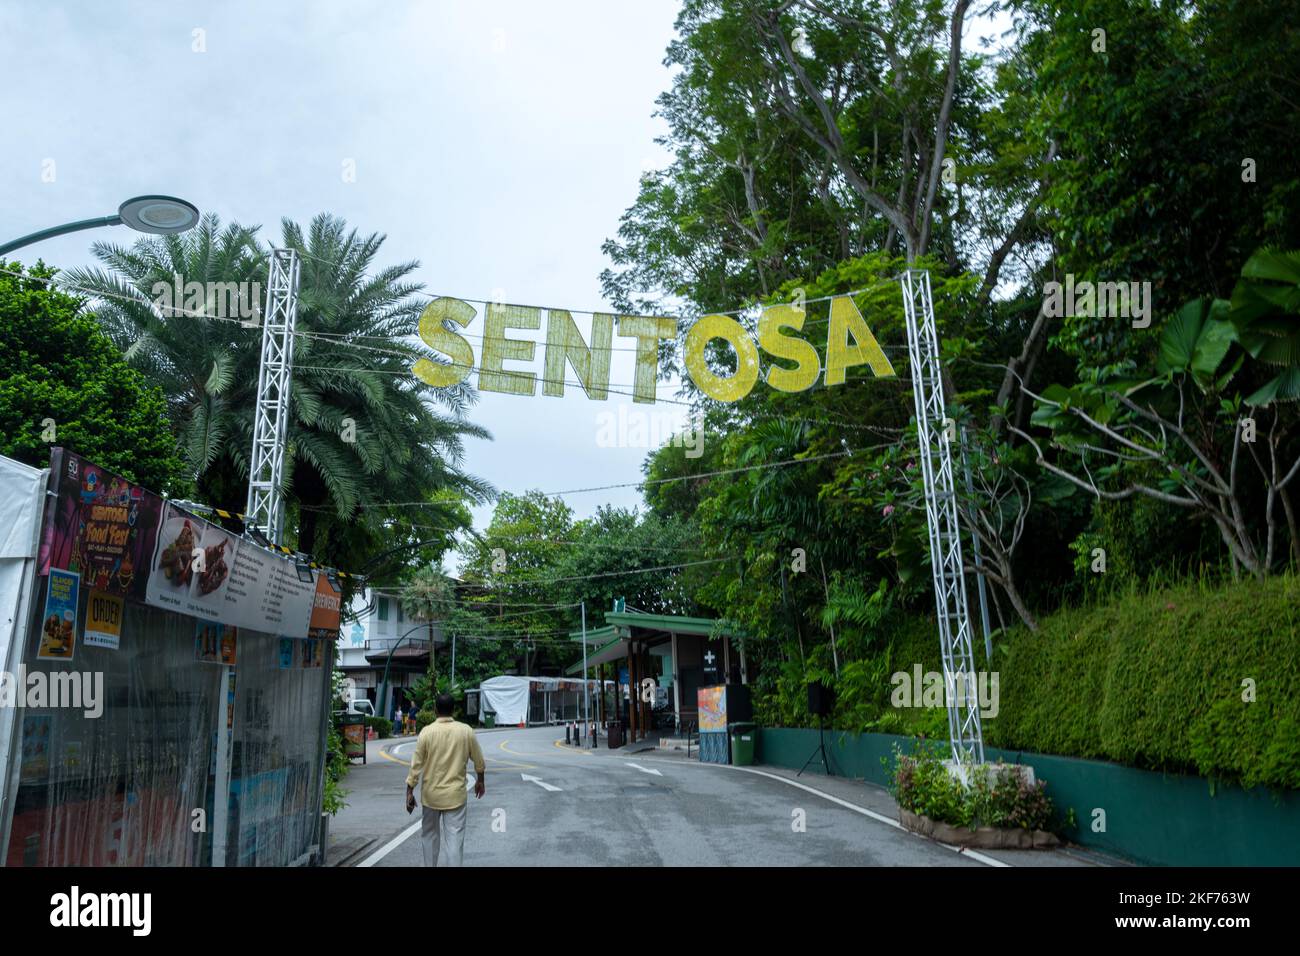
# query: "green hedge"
(1156, 681)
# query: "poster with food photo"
(191, 565)
(211, 574)
(172, 573)
(58, 637)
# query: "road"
(550, 805)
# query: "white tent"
(510, 697)
(507, 696)
(22, 495)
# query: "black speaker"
(821, 699)
(740, 707)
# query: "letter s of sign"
(437, 336)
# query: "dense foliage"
(362, 430)
(64, 382)
(1098, 449)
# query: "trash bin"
(614, 735)
(744, 736)
(489, 718)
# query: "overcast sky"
(496, 143)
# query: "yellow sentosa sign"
(849, 343)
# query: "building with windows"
(378, 634)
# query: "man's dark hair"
(444, 705)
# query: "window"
(399, 613)
(383, 609)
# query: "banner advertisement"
(125, 541)
(58, 638)
(712, 704)
(354, 739)
(98, 526)
(325, 611)
(103, 621)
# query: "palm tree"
(429, 596)
(363, 432)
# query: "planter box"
(986, 838)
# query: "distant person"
(441, 752)
(399, 719)
(411, 716)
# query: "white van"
(361, 706)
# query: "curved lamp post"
(383, 685)
(154, 215)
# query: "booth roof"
(623, 623)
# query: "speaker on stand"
(821, 701)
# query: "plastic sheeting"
(507, 696)
(113, 753)
(22, 491)
(128, 786)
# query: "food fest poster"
(98, 525)
(126, 541)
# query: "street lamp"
(383, 686)
(155, 215)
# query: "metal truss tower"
(934, 437)
(265, 510)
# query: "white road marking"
(637, 766)
(979, 857)
(974, 855)
(541, 783)
(391, 845)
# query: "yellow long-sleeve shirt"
(441, 752)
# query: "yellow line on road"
(502, 746)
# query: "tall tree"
(362, 431)
(63, 382)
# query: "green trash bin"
(489, 718)
(744, 740)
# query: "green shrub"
(382, 726)
(922, 784)
(1160, 681)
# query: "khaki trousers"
(443, 830)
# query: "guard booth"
(659, 656)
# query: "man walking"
(441, 752)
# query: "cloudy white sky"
(497, 143)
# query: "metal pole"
(453, 660)
(586, 686)
(964, 731)
(53, 231)
(979, 578)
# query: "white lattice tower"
(265, 510)
(941, 516)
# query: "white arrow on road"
(541, 783)
(637, 766)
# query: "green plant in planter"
(922, 785)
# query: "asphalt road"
(584, 808)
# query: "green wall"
(1164, 819)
